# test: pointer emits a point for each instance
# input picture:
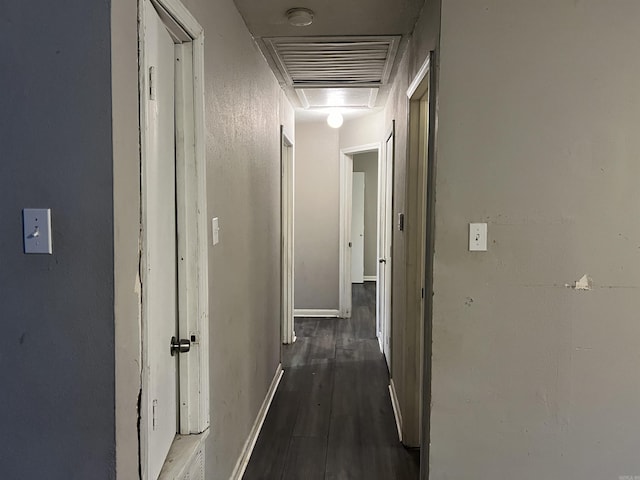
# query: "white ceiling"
(346, 18)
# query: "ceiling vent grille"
(334, 61)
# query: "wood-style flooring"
(331, 417)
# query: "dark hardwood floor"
(331, 417)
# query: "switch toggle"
(477, 237)
(215, 230)
(37, 230)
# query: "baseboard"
(316, 313)
(245, 456)
(371, 279)
(396, 408)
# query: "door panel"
(357, 228)
(387, 238)
(381, 271)
(160, 226)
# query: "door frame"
(191, 221)
(423, 88)
(417, 189)
(346, 189)
(287, 199)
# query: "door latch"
(180, 346)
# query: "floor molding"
(396, 408)
(316, 313)
(370, 278)
(245, 456)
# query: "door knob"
(180, 346)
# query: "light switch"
(37, 230)
(215, 230)
(477, 237)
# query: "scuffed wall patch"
(584, 284)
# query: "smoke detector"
(300, 17)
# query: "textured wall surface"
(539, 115)
(243, 104)
(57, 355)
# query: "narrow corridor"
(332, 416)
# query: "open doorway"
(287, 217)
(366, 178)
(364, 218)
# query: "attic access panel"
(364, 61)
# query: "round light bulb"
(335, 120)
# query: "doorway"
(380, 244)
(287, 245)
(364, 221)
(173, 249)
(422, 95)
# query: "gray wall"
(243, 117)
(244, 108)
(368, 163)
(539, 115)
(57, 355)
(317, 216)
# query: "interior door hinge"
(152, 83)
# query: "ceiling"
(343, 61)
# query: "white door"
(287, 187)
(357, 228)
(381, 271)
(385, 232)
(160, 225)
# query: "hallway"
(332, 416)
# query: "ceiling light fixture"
(300, 17)
(335, 120)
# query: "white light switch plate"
(477, 237)
(37, 230)
(215, 230)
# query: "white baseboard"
(245, 456)
(316, 313)
(371, 279)
(396, 408)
